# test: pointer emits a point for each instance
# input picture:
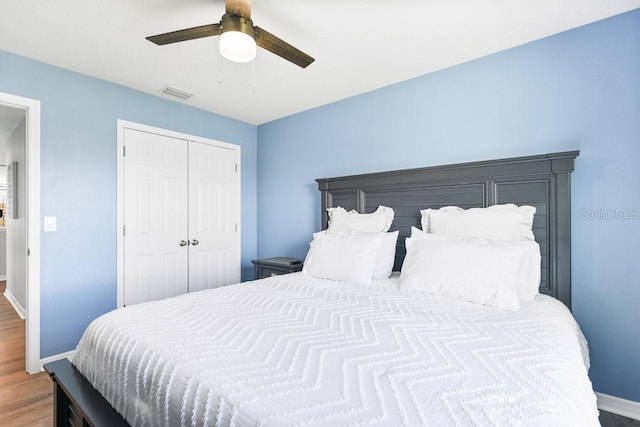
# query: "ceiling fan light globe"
(237, 46)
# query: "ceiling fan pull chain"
(253, 86)
(220, 61)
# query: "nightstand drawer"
(268, 267)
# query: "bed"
(298, 350)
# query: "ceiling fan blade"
(273, 44)
(186, 34)
(238, 7)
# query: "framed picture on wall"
(12, 189)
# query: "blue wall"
(576, 90)
(78, 185)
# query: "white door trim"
(32, 109)
(121, 126)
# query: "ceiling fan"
(238, 36)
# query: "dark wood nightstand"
(267, 267)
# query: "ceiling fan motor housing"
(237, 23)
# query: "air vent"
(177, 92)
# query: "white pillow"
(376, 222)
(497, 222)
(386, 255)
(474, 271)
(344, 257)
(528, 282)
(528, 285)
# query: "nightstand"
(268, 267)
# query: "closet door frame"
(120, 154)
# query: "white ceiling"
(359, 45)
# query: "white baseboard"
(56, 357)
(15, 304)
(3, 277)
(617, 405)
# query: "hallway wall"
(16, 260)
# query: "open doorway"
(13, 232)
(20, 156)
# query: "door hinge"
(124, 151)
(28, 252)
(236, 227)
(124, 230)
(236, 168)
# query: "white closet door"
(214, 216)
(155, 217)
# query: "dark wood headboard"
(542, 181)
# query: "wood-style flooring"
(25, 400)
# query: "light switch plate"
(50, 223)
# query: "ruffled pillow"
(497, 222)
(377, 222)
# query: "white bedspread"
(294, 350)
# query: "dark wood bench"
(76, 402)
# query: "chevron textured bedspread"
(299, 351)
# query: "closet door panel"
(156, 215)
(214, 215)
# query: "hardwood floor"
(25, 400)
